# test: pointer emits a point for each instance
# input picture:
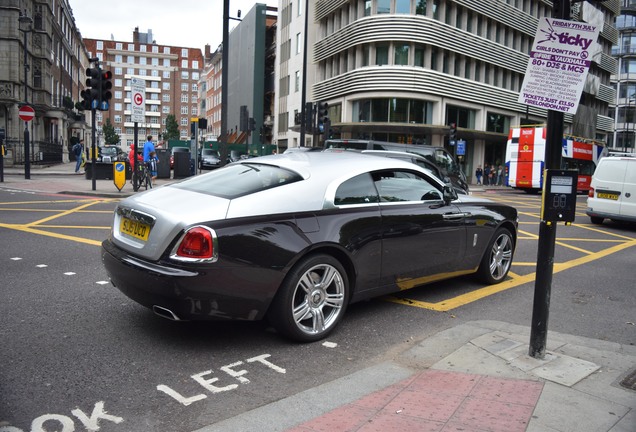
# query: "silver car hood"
(169, 210)
(471, 199)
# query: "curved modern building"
(624, 81)
(405, 70)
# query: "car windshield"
(210, 152)
(109, 151)
(238, 180)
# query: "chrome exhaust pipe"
(165, 313)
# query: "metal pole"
(547, 229)
(27, 152)
(224, 81)
(93, 158)
(303, 96)
(627, 118)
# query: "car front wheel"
(312, 299)
(497, 259)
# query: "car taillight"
(198, 244)
(590, 193)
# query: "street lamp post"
(26, 21)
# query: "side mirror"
(449, 194)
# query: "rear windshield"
(234, 181)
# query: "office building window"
(402, 54)
(383, 6)
(403, 6)
(381, 54)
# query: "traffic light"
(323, 116)
(309, 116)
(243, 122)
(91, 95)
(452, 133)
(251, 124)
(105, 85)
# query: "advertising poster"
(558, 64)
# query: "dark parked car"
(417, 160)
(297, 237)
(437, 155)
(177, 150)
(209, 159)
(110, 153)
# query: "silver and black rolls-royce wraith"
(297, 237)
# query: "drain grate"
(629, 381)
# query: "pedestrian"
(486, 174)
(131, 160)
(153, 160)
(148, 147)
(479, 173)
(500, 175)
(77, 150)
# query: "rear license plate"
(604, 195)
(134, 228)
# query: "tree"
(172, 128)
(110, 136)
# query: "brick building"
(172, 79)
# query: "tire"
(596, 220)
(497, 259)
(305, 309)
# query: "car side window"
(357, 190)
(404, 186)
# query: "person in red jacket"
(131, 155)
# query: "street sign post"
(119, 175)
(138, 90)
(26, 113)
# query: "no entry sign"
(26, 113)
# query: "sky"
(185, 23)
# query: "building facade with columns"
(43, 65)
(405, 70)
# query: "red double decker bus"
(525, 158)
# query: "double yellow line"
(517, 280)
(36, 226)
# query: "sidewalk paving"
(61, 178)
(472, 377)
(475, 376)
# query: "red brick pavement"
(437, 401)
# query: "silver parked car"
(297, 237)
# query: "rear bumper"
(613, 216)
(189, 294)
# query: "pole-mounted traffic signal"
(309, 115)
(452, 133)
(92, 93)
(323, 116)
(244, 119)
(105, 85)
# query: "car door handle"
(455, 216)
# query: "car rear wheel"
(596, 220)
(497, 260)
(312, 299)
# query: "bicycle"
(141, 177)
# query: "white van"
(613, 190)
